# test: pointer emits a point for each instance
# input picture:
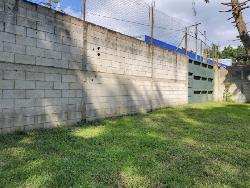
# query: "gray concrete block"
(14, 75)
(39, 76)
(74, 115)
(72, 93)
(6, 103)
(6, 84)
(35, 34)
(14, 48)
(53, 93)
(1, 26)
(22, 121)
(25, 22)
(69, 78)
(7, 37)
(24, 103)
(1, 46)
(33, 51)
(53, 54)
(53, 77)
(31, 14)
(15, 29)
(76, 86)
(45, 28)
(7, 57)
(13, 94)
(25, 59)
(53, 38)
(34, 94)
(51, 62)
(27, 41)
(59, 85)
(44, 85)
(20, 84)
(33, 111)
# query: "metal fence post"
(152, 21)
(84, 2)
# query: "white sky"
(218, 28)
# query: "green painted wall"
(200, 82)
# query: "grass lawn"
(204, 145)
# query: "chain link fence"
(137, 18)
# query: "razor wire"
(134, 18)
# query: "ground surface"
(193, 146)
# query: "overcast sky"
(219, 29)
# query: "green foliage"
(237, 54)
(203, 145)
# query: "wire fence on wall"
(138, 19)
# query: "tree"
(234, 53)
(236, 9)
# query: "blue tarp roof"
(173, 48)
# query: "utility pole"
(84, 3)
(205, 39)
(186, 40)
(196, 39)
(152, 20)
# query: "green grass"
(204, 145)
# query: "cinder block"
(74, 115)
(6, 123)
(51, 62)
(72, 93)
(39, 76)
(14, 75)
(53, 54)
(6, 84)
(45, 45)
(1, 6)
(25, 59)
(19, 84)
(53, 77)
(14, 48)
(35, 51)
(35, 34)
(6, 103)
(53, 38)
(1, 26)
(22, 121)
(13, 94)
(25, 22)
(34, 94)
(24, 103)
(33, 111)
(46, 28)
(75, 86)
(7, 18)
(31, 14)
(7, 57)
(15, 29)
(27, 41)
(1, 46)
(59, 85)
(44, 85)
(7, 37)
(68, 78)
(53, 93)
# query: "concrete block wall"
(57, 70)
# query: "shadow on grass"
(206, 145)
